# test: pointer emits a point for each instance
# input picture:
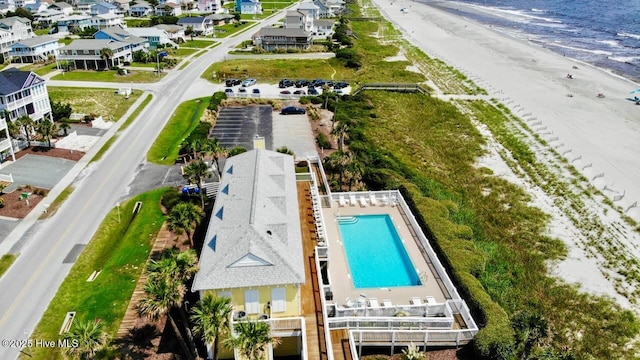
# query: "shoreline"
(597, 136)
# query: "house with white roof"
(122, 5)
(200, 24)
(48, 16)
(63, 7)
(308, 7)
(13, 29)
(141, 9)
(5, 8)
(36, 7)
(35, 49)
(84, 6)
(24, 93)
(175, 32)
(168, 9)
(153, 35)
(210, 6)
(252, 252)
(107, 20)
(23, 3)
(103, 8)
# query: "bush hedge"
(216, 100)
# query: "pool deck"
(339, 274)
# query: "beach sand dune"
(599, 136)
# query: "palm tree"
(285, 150)
(237, 150)
(26, 123)
(210, 317)
(85, 339)
(64, 125)
(106, 54)
(196, 172)
(338, 163)
(46, 128)
(530, 329)
(174, 265)
(160, 296)
(183, 216)
(354, 171)
(194, 146)
(252, 339)
(341, 131)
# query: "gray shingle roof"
(13, 80)
(253, 237)
(62, 5)
(267, 31)
(38, 40)
(92, 44)
(119, 34)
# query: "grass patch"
(184, 64)
(165, 149)
(227, 30)
(55, 205)
(6, 261)
(65, 41)
(104, 149)
(136, 112)
(40, 32)
(40, 69)
(120, 250)
(197, 44)
(138, 22)
(181, 52)
(109, 76)
(144, 65)
(103, 102)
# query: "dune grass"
(119, 250)
(97, 101)
(165, 149)
(134, 76)
(136, 112)
(6, 261)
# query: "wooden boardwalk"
(310, 291)
(396, 87)
(131, 315)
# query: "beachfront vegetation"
(119, 249)
(104, 102)
(490, 237)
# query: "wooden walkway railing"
(395, 87)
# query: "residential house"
(63, 7)
(323, 9)
(103, 8)
(84, 6)
(6, 146)
(271, 39)
(23, 3)
(120, 34)
(249, 6)
(36, 7)
(323, 28)
(13, 29)
(221, 19)
(107, 20)
(175, 32)
(73, 22)
(141, 9)
(309, 8)
(253, 246)
(336, 7)
(153, 35)
(200, 24)
(5, 8)
(24, 93)
(122, 5)
(35, 49)
(295, 19)
(168, 9)
(48, 16)
(210, 6)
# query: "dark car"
(302, 83)
(285, 83)
(293, 110)
(317, 82)
(242, 90)
(256, 91)
(313, 91)
(232, 82)
(340, 85)
(299, 92)
(285, 92)
(228, 91)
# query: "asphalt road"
(30, 284)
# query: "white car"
(249, 82)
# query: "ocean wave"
(625, 59)
(538, 10)
(613, 43)
(596, 52)
(519, 16)
(628, 35)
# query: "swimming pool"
(375, 253)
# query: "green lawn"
(103, 102)
(40, 69)
(40, 32)
(269, 6)
(226, 30)
(145, 65)
(53, 207)
(197, 44)
(119, 249)
(181, 52)
(136, 112)
(138, 22)
(109, 76)
(165, 149)
(276, 69)
(66, 41)
(5, 262)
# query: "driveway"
(39, 171)
(294, 132)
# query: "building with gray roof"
(271, 39)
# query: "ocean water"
(605, 33)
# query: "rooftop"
(13, 80)
(38, 40)
(267, 31)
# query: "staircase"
(211, 189)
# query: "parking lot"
(238, 125)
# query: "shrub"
(304, 100)
(1, 202)
(323, 141)
(216, 100)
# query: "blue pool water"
(375, 253)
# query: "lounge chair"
(387, 303)
(348, 303)
(373, 200)
(385, 200)
(342, 201)
(373, 303)
(363, 201)
(352, 200)
(415, 301)
(431, 300)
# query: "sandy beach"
(598, 136)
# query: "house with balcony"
(253, 251)
(153, 35)
(200, 24)
(175, 32)
(309, 8)
(24, 93)
(47, 16)
(323, 10)
(6, 148)
(249, 6)
(84, 6)
(63, 7)
(296, 19)
(221, 19)
(122, 5)
(73, 22)
(102, 8)
(107, 20)
(271, 39)
(209, 6)
(323, 28)
(141, 9)
(168, 9)
(13, 29)
(122, 35)
(34, 50)
(36, 7)
(23, 3)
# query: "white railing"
(6, 178)
(406, 323)
(18, 103)
(358, 338)
(3, 124)
(283, 327)
(323, 302)
(399, 311)
(5, 144)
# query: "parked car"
(285, 83)
(340, 85)
(329, 83)
(232, 82)
(313, 91)
(293, 110)
(256, 91)
(228, 91)
(249, 82)
(285, 92)
(317, 82)
(299, 92)
(338, 91)
(242, 90)
(302, 83)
